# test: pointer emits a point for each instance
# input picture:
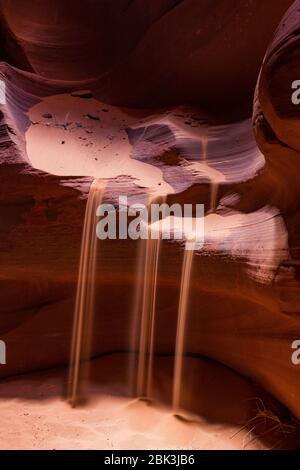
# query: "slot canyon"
(149, 342)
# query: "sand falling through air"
(144, 309)
(123, 328)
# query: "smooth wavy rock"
(145, 52)
(244, 299)
(276, 122)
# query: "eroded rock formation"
(239, 315)
(145, 53)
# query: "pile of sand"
(35, 415)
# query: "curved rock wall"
(145, 52)
(180, 52)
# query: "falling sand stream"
(84, 306)
(181, 323)
(145, 302)
(148, 307)
(186, 274)
(214, 186)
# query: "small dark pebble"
(63, 142)
(93, 116)
(82, 94)
(47, 116)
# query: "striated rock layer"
(276, 124)
(145, 52)
(244, 288)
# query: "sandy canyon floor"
(35, 414)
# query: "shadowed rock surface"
(245, 291)
(147, 53)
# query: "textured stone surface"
(276, 123)
(237, 318)
(145, 52)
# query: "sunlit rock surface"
(276, 123)
(244, 289)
